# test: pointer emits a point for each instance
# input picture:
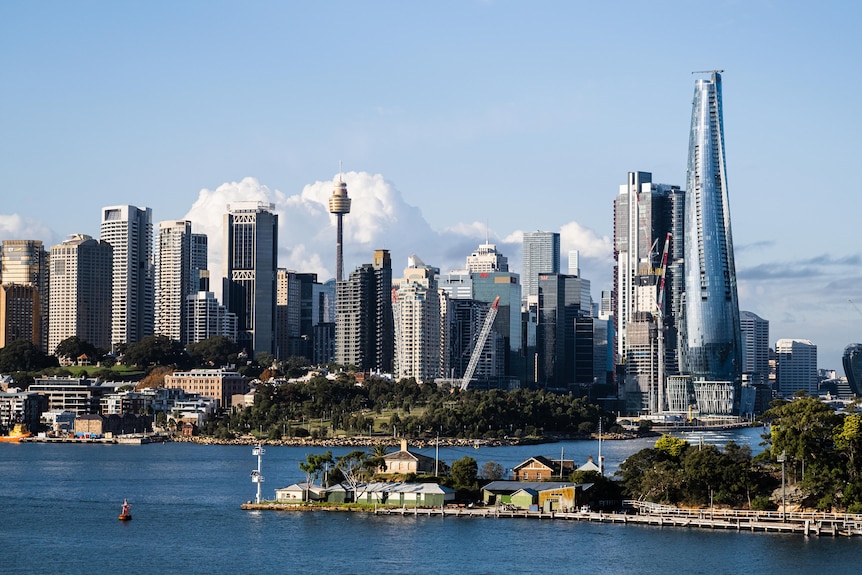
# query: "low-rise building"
(219, 384)
(405, 461)
(21, 407)
(541, 468)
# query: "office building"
(180, 259)
(364, 330)
(80, 291)
(647, 216)
(129, 231)
(852, 360)
(487, 259)
(710, 346)
(299, 304)
(25, 262)
(541, 256)
(249, 279)
(755, 348)
(560, 299)
(797, 366)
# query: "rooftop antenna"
(708, 72)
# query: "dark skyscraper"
(710, 348)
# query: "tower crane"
(480, 344)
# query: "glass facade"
(852, 361)
(710, 342)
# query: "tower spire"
(339, 204)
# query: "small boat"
(125, 515)
(19, 432)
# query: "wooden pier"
(806, 524)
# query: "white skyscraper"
(418, 318)
(180, 259)
(129, 231)
(487, 259)
(797, 366)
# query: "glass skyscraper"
(710, 347)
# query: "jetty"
(808, 523)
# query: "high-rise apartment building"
(541, 256)
(418, 323)
(20, 313)
(80, 293)
(755, 348)
(299, 305)
(250, 264)
(205, 317)
(129, 231)
(180, 258)
(25, 262)
(710, 346)
(364, 329)
(797, 366)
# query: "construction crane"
(660, 321)
(480, 344)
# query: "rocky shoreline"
(368, 441)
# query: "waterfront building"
(797, 366)
(20, 314)
(129, 231)
(755, 348)
(364, 330)
(219, 384)
(78, 395)
(710, 346)
(81, 291)
(418, 323)
(249, 279)
(21, 407)
(541, 256)
(25, 262)
(180, 259)
(852, 360)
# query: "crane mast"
(480, 344)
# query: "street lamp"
(781, 459)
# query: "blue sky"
(450, 118)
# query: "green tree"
(353, 467)
(24, 355)
(492, 471)
(155, 350)
(73, 347)
(671, 445)
(463, 473)
(312, 466)
(213, 352)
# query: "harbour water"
(59, 507)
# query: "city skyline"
(554, 103)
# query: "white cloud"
(16, 227)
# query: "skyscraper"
(250, 264)
(418, 324)
(339, 204)
(541, 256)
(180, 259)
(710, 346)
(25, 262)
(80, 292)
(797, 366)
(20, 313)
(755, 347)
(561, 301)
(363, 317)
(852, 360)
(487, 259)
(129, 231)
